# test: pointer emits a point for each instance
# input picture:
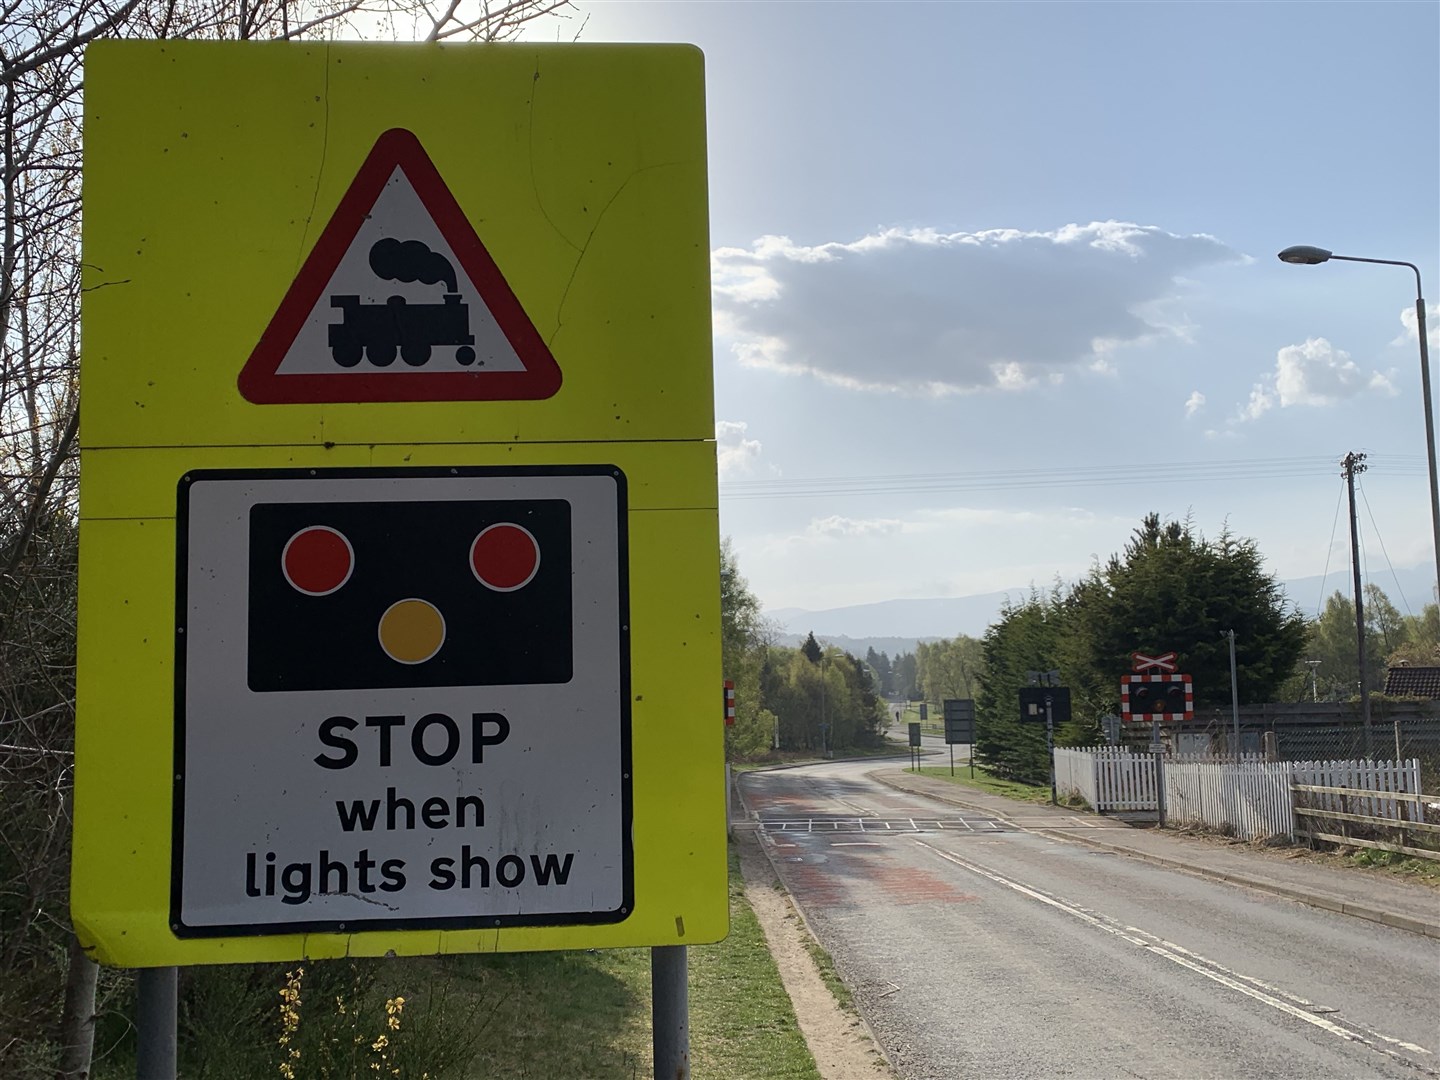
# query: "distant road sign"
(960, 731)
(924, 712)
(959, 720)
(958, 708)
(914, 734)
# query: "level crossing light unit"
(1304, 255)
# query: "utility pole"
(1314, 682)
(1234, 694)
(1352, 464)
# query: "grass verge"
(1390, 864)
(828, 973)
(742, 1025)
(580, 1015)
(987, 782)
(1398, 863)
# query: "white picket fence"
(1253, 799)
(1075, 775)
(1106, 777)
(1114, 777)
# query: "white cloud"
(836, 526)
(1262, 400)
(935, 521)
(1194, 403)
(736, 455)
(921, 312)
(975, 515)
(1312, 373)
(1412, 332)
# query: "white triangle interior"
(399, 214)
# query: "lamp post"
(1304, 255)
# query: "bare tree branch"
(9, 72)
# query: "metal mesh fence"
(1398, 740)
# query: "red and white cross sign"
(1165, 662)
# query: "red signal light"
(317, 560)
(505, 557)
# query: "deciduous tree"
(744, 641)
(41, 82)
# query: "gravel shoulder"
(839, 1040)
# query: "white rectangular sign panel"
(402, 700)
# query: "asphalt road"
(984, 951)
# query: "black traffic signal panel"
(1149, 699)
(1032, 704)
(402, 594)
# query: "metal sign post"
(155, 1016)
(915, 747)
(1158, 749)
(1050, 744)
(670, 1011)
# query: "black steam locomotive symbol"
(379, 332)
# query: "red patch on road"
(810, 883)
(917, 887)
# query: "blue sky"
(995, 280)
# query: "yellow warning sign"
(398, 614)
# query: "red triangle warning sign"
(399, 301)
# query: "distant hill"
(903, 622)
(890, 646)
(1409, 589)
(943, 617)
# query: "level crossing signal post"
(1045, 699)
(1157, 690)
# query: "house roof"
(1417, 682)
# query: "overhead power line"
(1116, 475)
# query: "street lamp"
(1304, 255)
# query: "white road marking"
(855, 843)
(1250, 987)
